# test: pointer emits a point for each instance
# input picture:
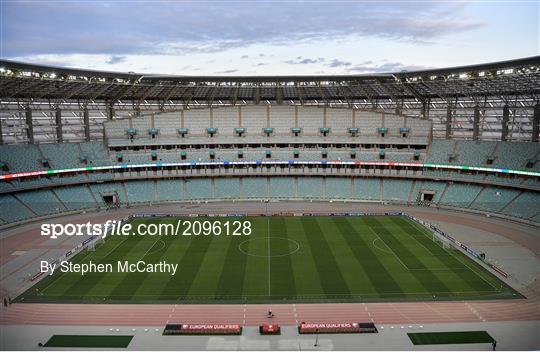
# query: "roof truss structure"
(426, 94)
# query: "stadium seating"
(139, 191)
(100, 189)
(255, 187)
(494, 199)
(367, 188)
(338, 187)
(21, 157)
(474, 153)
(70, 192)
(437, 188)
(169, 190)
(41, 202)
(198, 188)
(282, 187)
(226, 188)
(439, 151)
(515, 155)
(311, 188)
(61, 155)
(524, 206)
(460, 195)
(13, 210)
(76, 197)
(396, 190)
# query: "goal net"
(93, 244)
(441, 241)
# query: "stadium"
(395, 203)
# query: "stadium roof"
(44, 71)
(489, 101)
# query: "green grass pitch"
(89, 341)
(450, 337)
(285, 259)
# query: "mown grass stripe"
(188, 267)
(82, 285)
(306, 278)
(381, 280)
(469, 277)
(330, 276)
(281, 268)
(332, 264)
(428, 279)
(480, 273)
(233, 270)
(127, 287)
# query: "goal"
(442, 241)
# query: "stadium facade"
(464, 138)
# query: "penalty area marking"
(270, 256)
(382, 249)
(157, 250)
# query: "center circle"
(272, 247)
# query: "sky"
(266, 37)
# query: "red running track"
(255, 314)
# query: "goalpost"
(441, 241)
(93, 244)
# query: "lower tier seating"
(23, 205)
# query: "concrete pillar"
(29, 125)
(86, 121)
(58, 117)
(504, 123)
(476, 123)
(536, 123)
(448, 121)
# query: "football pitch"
(283, 259)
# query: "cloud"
(339, 63)
(385, 67)
(116, 60)
(116, 28)
(226, 72)
(299, 60)
(333, 63)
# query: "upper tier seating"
(515, 155)
(21, 157)
(62, 155)
(474, 153)
(95, 152)
(255, 118)
(440, 150)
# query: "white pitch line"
(268, 235)
(148, 250)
